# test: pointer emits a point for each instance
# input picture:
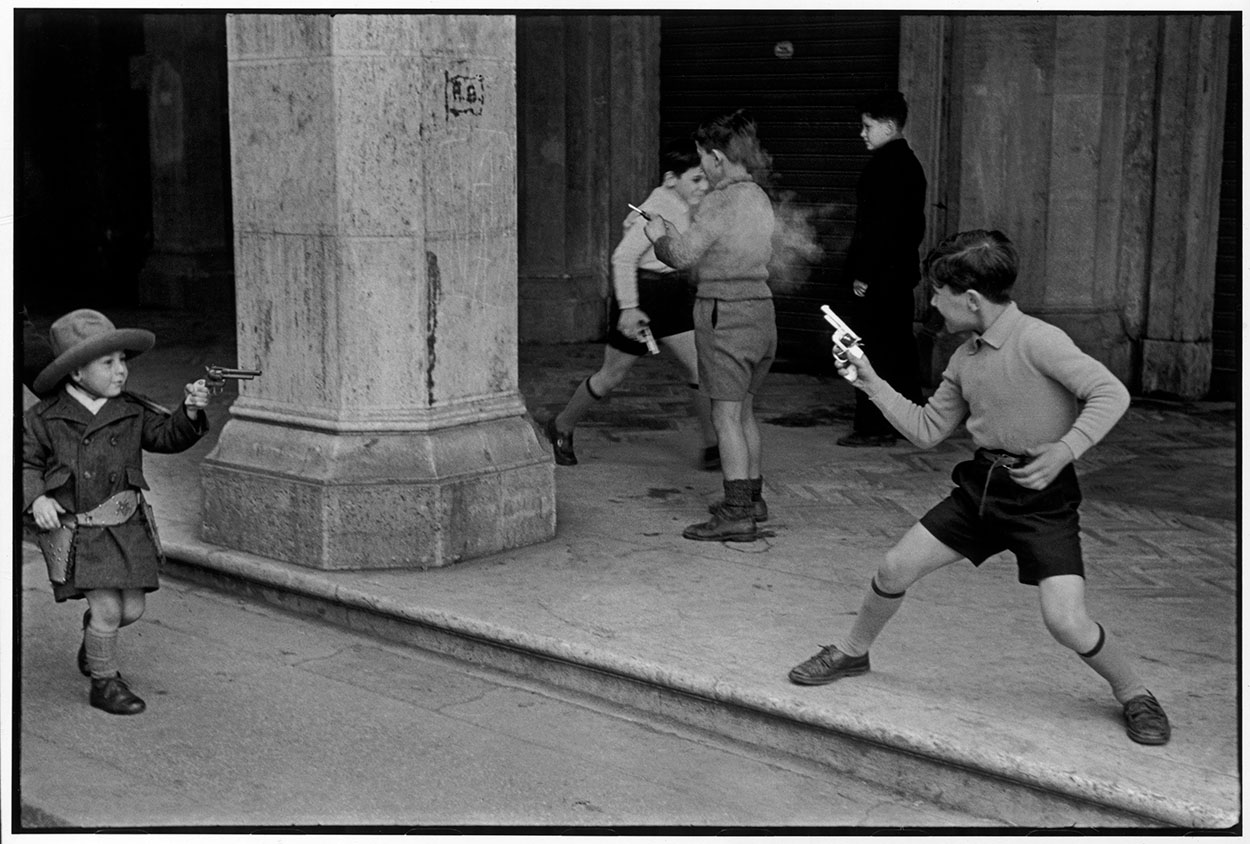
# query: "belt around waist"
(115, 510)
(998, 457)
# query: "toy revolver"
(218, 375)
(846, 343)
(648, 338)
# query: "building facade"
(1102, 144)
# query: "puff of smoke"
(796, 248)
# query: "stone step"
(953, 777)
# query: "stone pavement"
(969, 702)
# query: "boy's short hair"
(980, 260)
(885, 105)
(678, 155)
(734, 134)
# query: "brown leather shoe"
(1145, 721)
(722, 528)
(561, 444)
(828, 665)
(113, 696)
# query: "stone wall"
(1093, 142)
(588, 141)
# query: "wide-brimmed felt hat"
(80, 337)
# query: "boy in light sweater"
(728, 249)
(1034, 403)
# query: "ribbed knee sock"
(878, 608)
(1114, 667)
(101, 653)
(583, 397)
(757, 489)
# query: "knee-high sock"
(583, 398)
(1114, 667)
(878, 608)
(101, 653)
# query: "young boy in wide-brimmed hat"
(82, 484)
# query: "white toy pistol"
(845, 341)
(652, 346)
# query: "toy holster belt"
(57, 544)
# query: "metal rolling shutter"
(801, 74)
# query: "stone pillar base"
(340, 501)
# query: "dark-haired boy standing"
(1033, 403)
(883, 261)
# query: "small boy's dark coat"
(80, 460)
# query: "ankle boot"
(733, 521)
(113, 696)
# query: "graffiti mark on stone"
(465, 95)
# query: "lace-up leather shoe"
(828, 665)
(561, 444)
(82, 648)
(113, 696)
(722, 527)
(1145, 721)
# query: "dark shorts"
(1041, 527)
(736, 341)
(668, 301)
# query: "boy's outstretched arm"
(924, 426)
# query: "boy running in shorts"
(647, 293)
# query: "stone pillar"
(924, 78)
(184, 72)
(1094, 143)
(588, 143)
(374, 183)
(1193, 80)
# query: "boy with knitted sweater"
(1034, 403)
(728, 248)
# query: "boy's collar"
(997, 332)
(729, 180)
(86, 399)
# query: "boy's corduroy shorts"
(736, 342)
(1041, 527)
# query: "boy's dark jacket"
(80, 460)
(889, 219)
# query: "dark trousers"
(883, 320)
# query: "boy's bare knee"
(895, 573)
(132, 608)
(1071, 628)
